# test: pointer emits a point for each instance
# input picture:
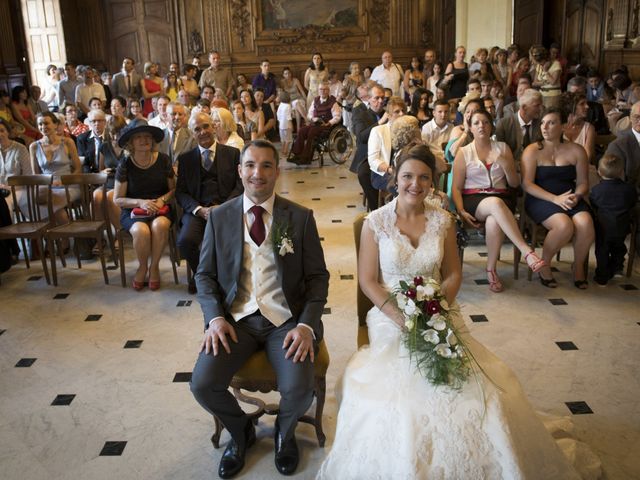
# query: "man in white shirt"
(436, 132)
(389, 74)
(88, 90)
(162, 119)
(379, 145)
(67, 87)
(262, 283)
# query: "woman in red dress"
(22, 112)
(151, 86)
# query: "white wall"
(482, 23)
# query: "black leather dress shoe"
(191, 288)
(232, 460)
(287, 454)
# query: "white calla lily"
(431, 336)
(451, 338)
(443, 350)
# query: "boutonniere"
(281, 238)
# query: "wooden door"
(528, 23)
(44, 37)
(143, 30)
(583, 31)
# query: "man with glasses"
(90, 141)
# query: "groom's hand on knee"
(217, 332)
(299, 341)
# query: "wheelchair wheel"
(340, 145)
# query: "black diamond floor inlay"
(112, 449)
(300, 181)
(567, 345)
(2, 331)
(25, 362)
(184, 303)
(133, 344)
(61, 296)
(481, 281)
(326, 311)
(182, 377)
(351, 206)
(336, 221)
(330, 187)
(93, 318)
(628, 286)
(314, 173)
(482, 254)
(63, 399)
(579, 408)
(284, 193)
(479, 318)
(342, 178)
(315, 199)
(346, 277)
(34, 278)
(557, 301)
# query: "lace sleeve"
(378, 221)
(440, 219)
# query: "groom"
(262, 284)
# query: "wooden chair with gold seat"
(257, 375)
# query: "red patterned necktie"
(257, 231)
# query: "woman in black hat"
(144, 186)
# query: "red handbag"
(143, 213)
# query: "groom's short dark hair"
(260, 144)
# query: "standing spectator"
(419, 107)
(413, 79)
(217, 76)
(37, 105)
(150, 86)
(67, 86)
(430, 59)
(196, 61)
(285, 121)
(88, 90)
(243, 84)
(502, 70)
(189, 85)
(294, 89)
(50, 92)
(266, 81)
(315, 74)
(612, 201)
(547, 74)
(456, 75)
(268, 129)
(171, 86)
(389, 74)
(126, 83)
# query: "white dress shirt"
(389, 77)
(434, 136)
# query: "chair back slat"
(87, 183)
(37, 189)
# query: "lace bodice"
(399, 260)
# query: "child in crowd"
(595, 89)
(285, 122)
(613, 201)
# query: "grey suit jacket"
(119, 86)
(626, 147)
(508, 131)
(183, 143)
(302, 274)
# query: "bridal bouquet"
(430, 336)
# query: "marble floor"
(93, 377)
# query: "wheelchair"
(338, 143)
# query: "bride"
(394, 424)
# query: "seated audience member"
(595, 112)
(126, 83)
(523, 128)
(145, 180)
(379, 154)
(162, 120)
(172, 86)
(243, 84)
(497, 95)
(196, 61)
(134, 108)
(429, 62)
(251, 110)
(595, 90)
(436, 76)
(461, 134)
(89, 142)
(266, 81)
(556, 179)
(483, 191)
(177, 138)
(118, 108)
(226, 129)
(22, 112)
(246, 128)
(13, 161)
(522, 68)
(436, 133)
(110, 156)
(502, 71)
(612, 201)
(268, 128)
(88, 90)
(420, 106)
(577, 129)
(202, 105)
(218, 94)
(37, 105)
(481, 67)
(367, 115)
(55, 155)
(208, 176)
(285, 121)
(490, 107)
(72, 125)
(189, 85)
(95, 104)
(324, 113)
(208, 92)
(388, 74)
(512, 104)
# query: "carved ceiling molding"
(310, 33)
(379, 17)
(240, 20)
(300, 48)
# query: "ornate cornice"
(300, 48)
(310, 33)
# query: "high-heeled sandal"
(579, 284)
(495, 285)
(547, 282)
(154, 285)
(137, 286)
(534, 262)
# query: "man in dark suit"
(126, 83)
(523, 128)
(262, 283)
(207, 177)
(627, 147)
(89, 142)
(368, 114)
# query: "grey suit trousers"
(212, 375)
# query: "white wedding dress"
(393, 424)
